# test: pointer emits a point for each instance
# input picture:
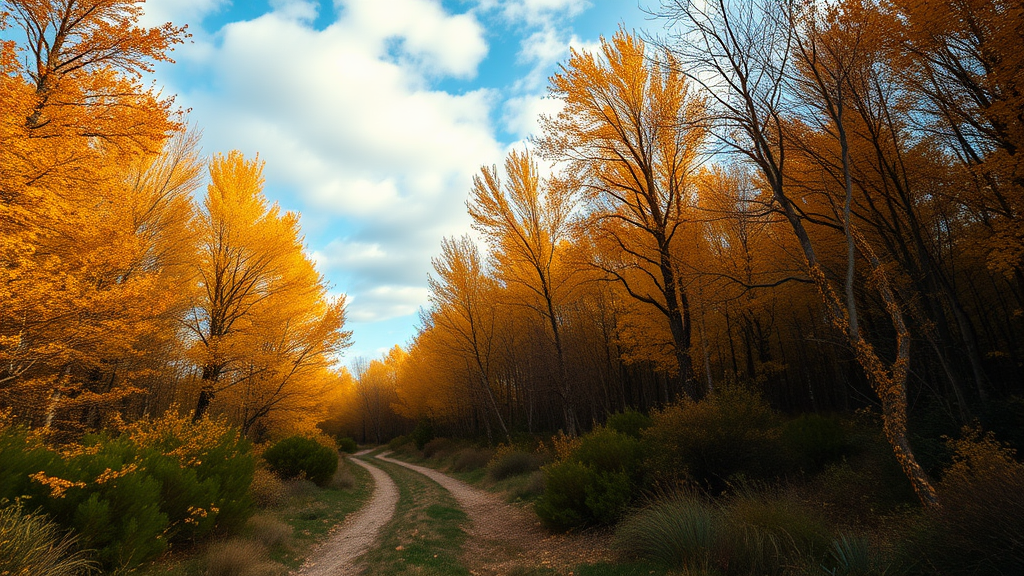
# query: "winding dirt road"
(502, 537)
(340, 554)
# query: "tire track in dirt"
(340, 554)
(503, 537)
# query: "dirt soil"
(340, 554)
(503, 537)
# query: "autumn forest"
(765, 248)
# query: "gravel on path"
(503, 537)
(339, 555)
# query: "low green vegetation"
(301, 457)
(726, 486)
(128, 498)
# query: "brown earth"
(340, 554)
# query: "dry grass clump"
(438, 448)
(343, 478)
(531, 488)
(300, 488)
(269, 531)
(753, 534)
(510, 462)
(267, 490)
(31, 544)
(239, 557)
(471, 458)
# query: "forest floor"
(422, 521)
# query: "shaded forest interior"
(822, 210)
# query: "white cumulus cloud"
(353, 132)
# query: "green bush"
(513, 463)
(814, 440)
(630, 423)
(422, 434)
(347, 445)
(299, 455)
(594, 484)
(606, 450)
(129, 496)
(727, 433)
(564, 502)
(399, 442)
(32, 545)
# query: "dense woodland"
(818, 205)
(821, 203)
(125, 288)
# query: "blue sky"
(373, 116)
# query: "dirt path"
(503, 537)
(339, 555)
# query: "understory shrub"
(853, 555)
(979, 528)
(592, 484)
(128, 497)
(814, 440)
(629, 422)
(422, 434)
(298, 455)
(237, 557)
(268, 530)
(530, 488)
(343, 478)
(511, 462)
(471, 459)
(347, 445)
(765, 532)
(437, 447)
(729, 432)
(399, 442)
(32, 545)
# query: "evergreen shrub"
(594, 483)
(298, 455)
(511, 462)
(347, 445)
(129, 496)
(730, 432)
(630, 422)
(422, 434)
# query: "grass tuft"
(238, 557)
(269, 531)
(678, 532)
(31, 544)
(267, 490)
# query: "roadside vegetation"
(727, 486)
